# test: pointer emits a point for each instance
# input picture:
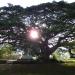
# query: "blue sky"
(28, 3)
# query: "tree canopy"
(55, 22)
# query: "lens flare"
(34, 34)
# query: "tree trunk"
(46, 51)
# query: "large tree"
(55, 21)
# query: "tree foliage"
(56, 22)
(5, 51)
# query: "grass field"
(50, 68)
(37, 69)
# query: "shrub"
(5, 51)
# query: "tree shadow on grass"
(42, 69)
(50, 68)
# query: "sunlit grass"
(70, 62)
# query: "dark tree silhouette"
(56, 22)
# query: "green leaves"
(52, 19)
(5, 51)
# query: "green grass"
(36, 69)
(70, 62)
(52, 68)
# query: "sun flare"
(34, 34)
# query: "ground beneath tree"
(36, 69)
